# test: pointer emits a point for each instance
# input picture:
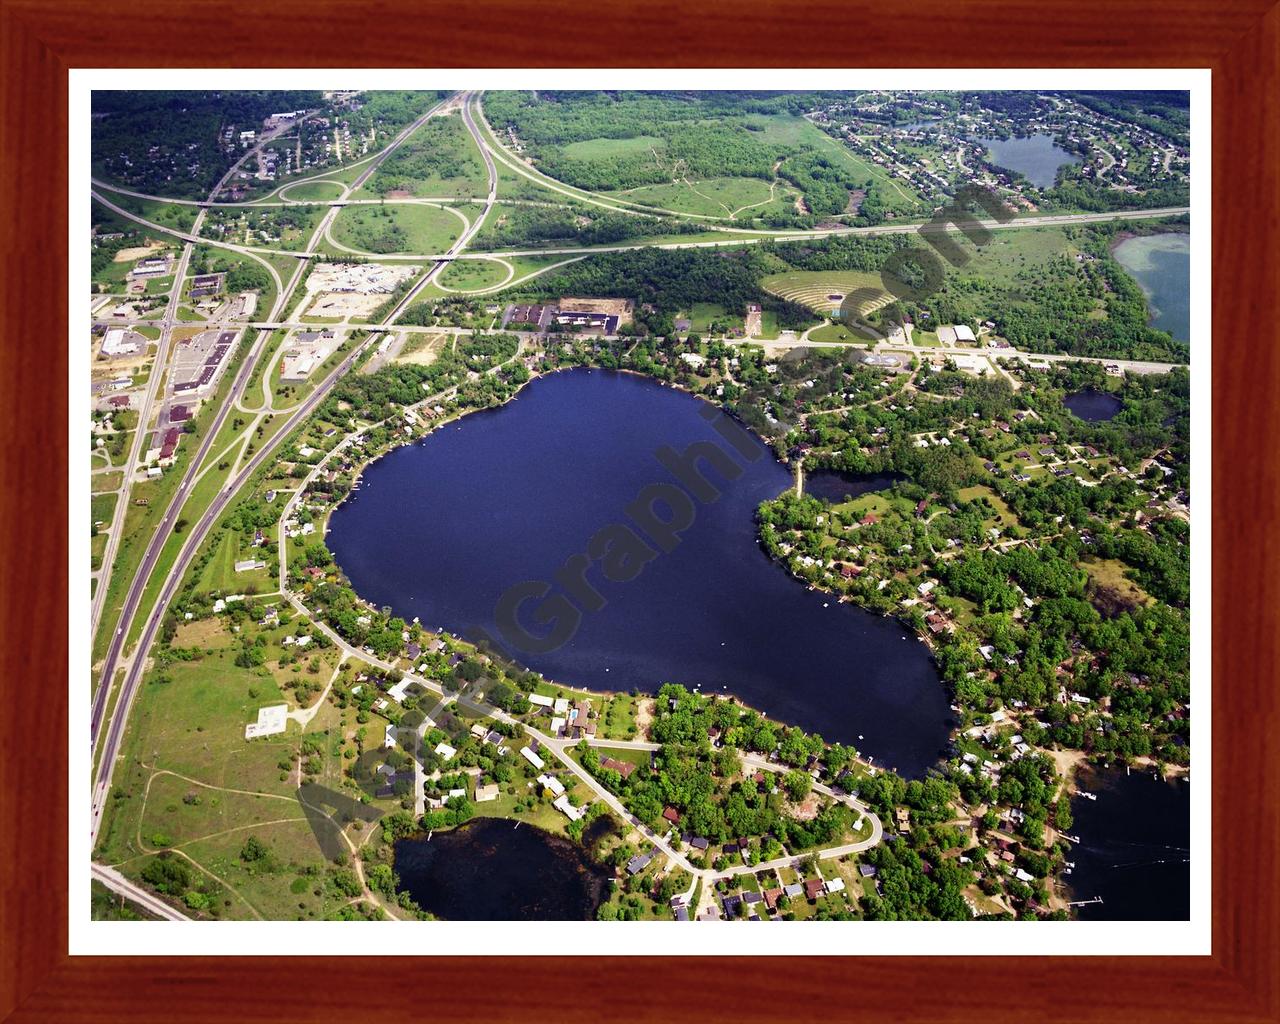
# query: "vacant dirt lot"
(136, 253)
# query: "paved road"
(750, 236)
(800, 236)
(469, 233)
(206, 204)
(167, 324)
(1009, 354)
(157, 543)
(117, 883)
(114, 732)
(139, 439)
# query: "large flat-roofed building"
(206, 284)
(151, 266)
(602, 316)
(884, 362)
(309, 350)
(535, 315)
(606, 323)
(119, 342)
(592, 314)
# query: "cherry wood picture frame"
(41, 39)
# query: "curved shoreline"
(593, 688)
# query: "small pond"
(494, 869)
(1036, 157)
(1092, 405)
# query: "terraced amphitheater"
(824, 290)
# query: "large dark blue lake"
(440, 529)
(1134, 850)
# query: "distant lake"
(442, 528)
(1134, 848)
(490, 870)
(1093, 405)
(1036, 157)
(834, 486)
(1161, 264)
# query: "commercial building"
(119, 342)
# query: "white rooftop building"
(270, 721)
(561, 804)
(528, 754)
(114, 342)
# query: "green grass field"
(639, 758)
(703, 314)
(107, 482)
(836, 332)
(401, 228)
(603, 149)
(440, 159)
(1112, 575)
(470, 275)
(1001, 260)
(1003, 512)
(174, 216)
(618, 718)
(729, 198)
(102, 508)
(219, 575)
(311, 191)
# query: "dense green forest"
(1087, 306)
(674, 279)
(576, 224)
(607, 141)
(440, 152)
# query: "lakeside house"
(640, 861)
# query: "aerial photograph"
(688, 506)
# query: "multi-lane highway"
(166, 326)
(114, 730)
(434, 271)
(149, 902)
(111, 731)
